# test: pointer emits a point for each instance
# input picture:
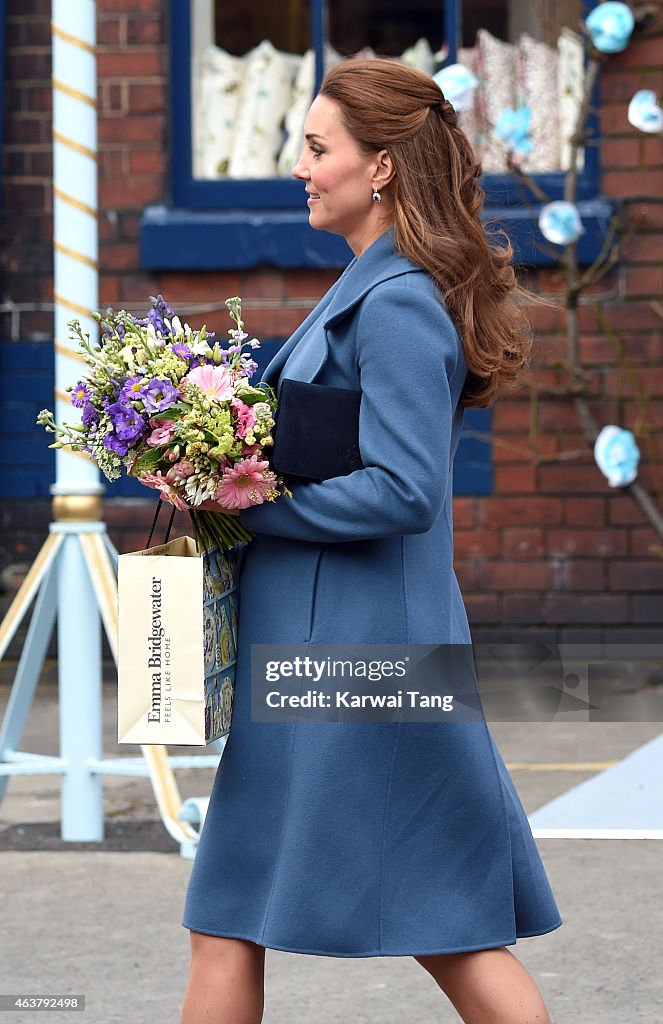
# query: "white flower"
(200, 347)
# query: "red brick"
(619, 84)
(499, 511)
(466, 575)
(600, 543)
(514, 479)
(510, 415)
(623, 511)
(263, 284)
(643, 382)
(515, 575)
(637, 413)
(109, 291)
(568, 478)
(28, 66)
(117, 257)
(464, 511)
(114, 99)
(134, 63)
(577, 608)
(520, 609)
(476, 543)
(631, 183)
(652, 151)
(620, 152)
(646, 246)
(309, 284)
(585, 511)
(276, 322)
(147, 98)
(513, 451)
(147, 161)
(482, 608)
(557, 414)
(636, 575)
(130, 130)
(545, 318)
(111, 31)
(112, 164)
(28, 129)
(584, 574)
(632, 315)
(145, 30)
(200, 287)
(523, 542)
(645, 543)
(129, 192)
(641, 53)
(133, 6)
(598, 351)
(645, 279)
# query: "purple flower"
(132, 388)
(114, 444)
(248, 366)
(128, 423)
(183, 351)
(80, 395)
(159, 395)
(157, 314)
(89, 415)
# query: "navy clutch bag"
(317, 431)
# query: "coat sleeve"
(407, 351)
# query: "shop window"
(243, 76)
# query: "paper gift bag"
(177, 644)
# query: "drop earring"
(377, 198)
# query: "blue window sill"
(204, 239)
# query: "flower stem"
(218, 530)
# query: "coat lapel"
(378, 263)
(274, 367)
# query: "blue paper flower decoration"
(560, 222)
(610, 26)
(644, 112)
(617, 455)
(512, 127)
(458, 85)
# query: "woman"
(387, 839)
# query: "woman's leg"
(488, 986)
(226, 981)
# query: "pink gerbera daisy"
(214, 381)
(247, 483)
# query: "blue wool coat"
(366, 839)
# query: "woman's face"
(339, 179)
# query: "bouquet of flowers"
(178, 411)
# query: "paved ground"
(104, 921)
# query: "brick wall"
(554, 553)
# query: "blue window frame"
(237, 224)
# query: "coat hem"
(282, 948)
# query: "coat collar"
(378, 263)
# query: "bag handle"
(154, 523)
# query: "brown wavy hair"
(437, 203)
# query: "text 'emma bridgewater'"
(158, 661)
